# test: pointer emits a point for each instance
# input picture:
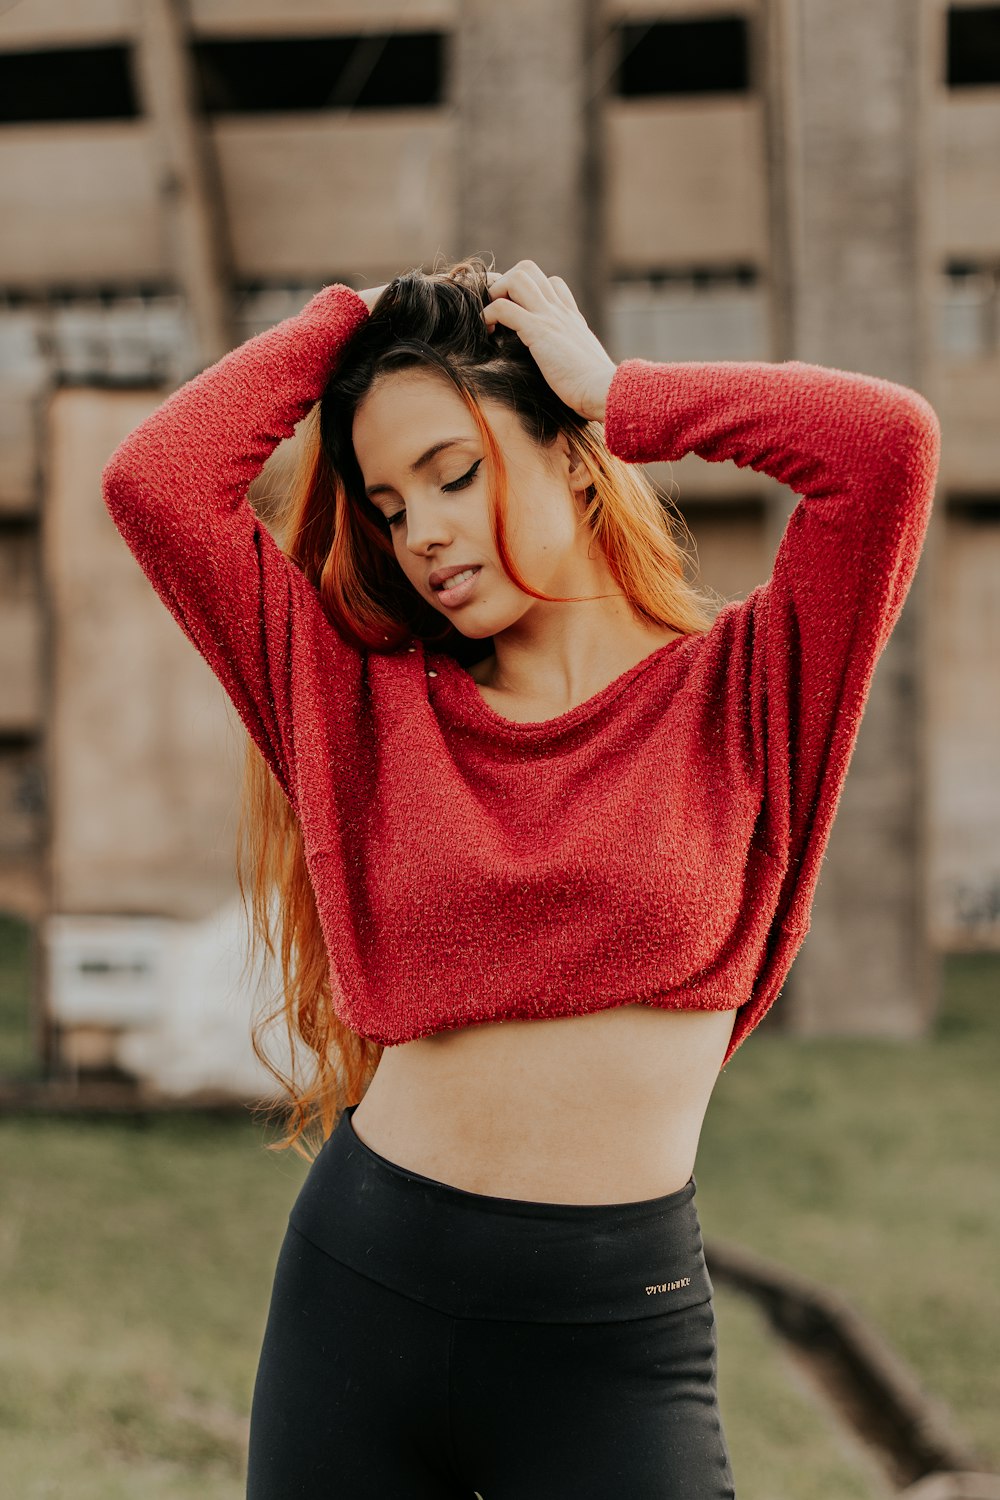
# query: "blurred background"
(755, 180)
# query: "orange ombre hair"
(344, 546)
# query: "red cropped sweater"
(658, 844)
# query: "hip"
(479, 1255)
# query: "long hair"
(343, 544)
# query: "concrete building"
(759, 179)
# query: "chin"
(473, 636)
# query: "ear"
(578, 472)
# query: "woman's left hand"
(543, 313)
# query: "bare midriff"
(599, 1108)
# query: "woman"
(545, 843)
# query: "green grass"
(136, 1260)
(784, 1443)
(136, 1265)
(872, 1166)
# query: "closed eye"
(456, 484)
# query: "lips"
(440, 576)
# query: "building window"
(705, 56)
(973, 47)
(116, 338)
(101, 338)
(258, 305)
(375, 71)
(968, 310)
(975, 509)
(703, 313)
(79, 83)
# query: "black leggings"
(427, 1343)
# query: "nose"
(425, 530)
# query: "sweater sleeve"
(176, 489)
(863, 452)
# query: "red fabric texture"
(660, 843)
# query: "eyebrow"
(421, 463)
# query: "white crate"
(108, 971)
(173, 997)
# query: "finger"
(526, 284)
(511, 314)
(533, 269)
(554, 288)
(563, 292)
(528, 267)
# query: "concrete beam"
(853, 269)
(528, 167)
(186, 175)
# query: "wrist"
(600, 404)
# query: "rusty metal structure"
(759, 179)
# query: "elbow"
(116, 486)
(121, 480)
(910, 437)
(923, 411)
(919, 420)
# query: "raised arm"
(863, 453)
(176, 489)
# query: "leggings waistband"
(477, 1256)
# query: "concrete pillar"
(526, 90)
(853, 272)
(187, 176)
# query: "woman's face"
(423, 466)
